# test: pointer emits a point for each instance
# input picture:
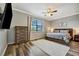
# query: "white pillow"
(64, 31)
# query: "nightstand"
(76, 37)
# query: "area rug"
(52, 48)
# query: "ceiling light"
(49, 12)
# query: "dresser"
(76, 37)
(21, 34)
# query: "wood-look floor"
(28, 49)
(74, 49)
(24, 49)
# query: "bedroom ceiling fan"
(49, 12)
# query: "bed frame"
(61, 41)
(70, 31)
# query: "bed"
(61, 34)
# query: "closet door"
(21, 34)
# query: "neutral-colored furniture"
(21, 34)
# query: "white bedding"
(64, 36)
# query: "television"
(6, 16)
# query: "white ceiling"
(36, 9)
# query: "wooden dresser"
(76, 37)
(21, 34)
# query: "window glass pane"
(39, 28)
(34, 22)
(36, 25)
(33, 28)
(39, 22)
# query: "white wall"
(3, 38)
(19, 19)
(2, 5)
(3, 41)
(0, 9)
(47, 26)
(70, 22)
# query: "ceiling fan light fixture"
(49, 12)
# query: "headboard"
(70, 31)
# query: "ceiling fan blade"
(54, 11)
(45, 13)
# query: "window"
(36, 25)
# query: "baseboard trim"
(11, 43)
(4, 50)
(36, 39)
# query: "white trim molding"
(4, 50)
